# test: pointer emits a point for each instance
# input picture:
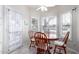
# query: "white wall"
(1, 28)
(77, 30)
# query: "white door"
(15, 24)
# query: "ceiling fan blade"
(38, 9)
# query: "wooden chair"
(61, 45)
(41, 42)
(32, 40)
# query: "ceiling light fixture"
(42, 8)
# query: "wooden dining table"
(52, 39)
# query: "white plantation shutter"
(15, 24)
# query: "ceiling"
(37, 6)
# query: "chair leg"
(48, 51)
(32, 44)
(59, 50)
(65, 50)
(38, 51)
(54, 50)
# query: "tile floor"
(26, 50)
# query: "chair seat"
(59, 43)
(32, 39)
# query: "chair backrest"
(66, 37)
(41, 39)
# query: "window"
(49, 26)
(34, 24)
(66, 23)
(52, 24)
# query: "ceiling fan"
(44, 8)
